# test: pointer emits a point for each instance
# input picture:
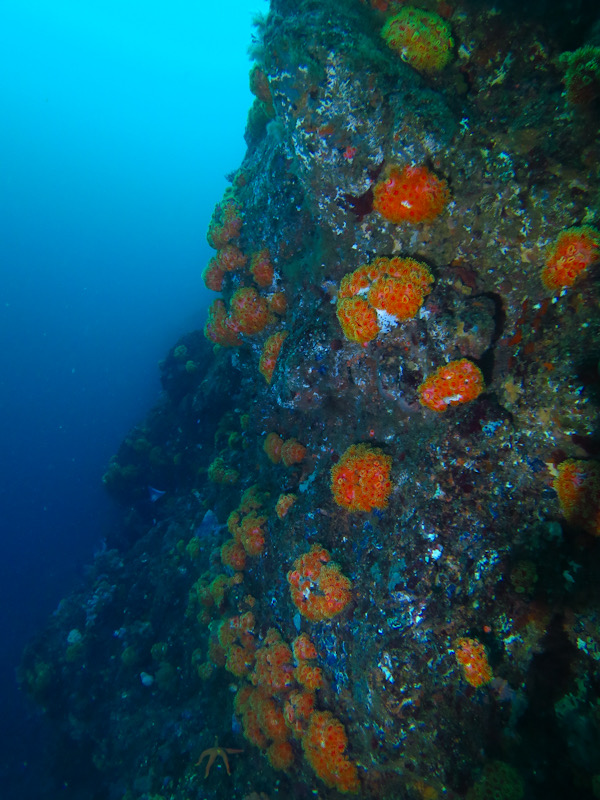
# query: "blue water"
(120, 120)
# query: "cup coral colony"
(368, 562)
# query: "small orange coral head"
(402, 289)
(270, 354)
(292, 452)
(578, 489)
(421, 38)
(360, 481)
(277, 303)
(410, 194)
(572, 253)
(252, 535)
(233, 555)
(219, 472)
(248, 311)
(455, 383)
(272, 447)
(239, 660)
(358, 319)
(297, 710)
(319, 590)
(213, 275)
(270, 716)
(218, 328)
(274, 669)
(309, 676)
(225, 224)
(324, 744)
(280, 755)
(261, 268)
(284, 503)
(303, 648)
(471, 655)
(230, 258)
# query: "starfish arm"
(211, 761)
(223, 755)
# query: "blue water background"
(120, 119)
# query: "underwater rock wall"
(374, 567)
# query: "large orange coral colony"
(455, 383)
(574, 250)
(324, 744)
(410, 194)
(578, 489)
(318, 588)
(360, 481)
(421, 38)
(471, 655)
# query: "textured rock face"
(463, 657)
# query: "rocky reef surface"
(359, 539)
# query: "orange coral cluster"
(248, 314)
(233, 555)
(270, 354)
(395, 286)
(248, 310)
(307, 674)
(303, 648)
(277, 303)
(274, 669)
(358, 319)
(219, 328)
(578, 487)
(261, 89)
(410, 194)
(219, 472)
(292, 452)
(252, 534)
(208, 595)
(318, 588)
(452, 384)
(226, 223)
(246, 527)
(264, 725)
(272, 447)
(224, 227)
(272, 707)
(261, 268)
(572, 253)
(421, 38)
(236, 638)
(229, 259)
(471, 655)
(297, 709)
(360, 481)
(324, 744)
(284, 503)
